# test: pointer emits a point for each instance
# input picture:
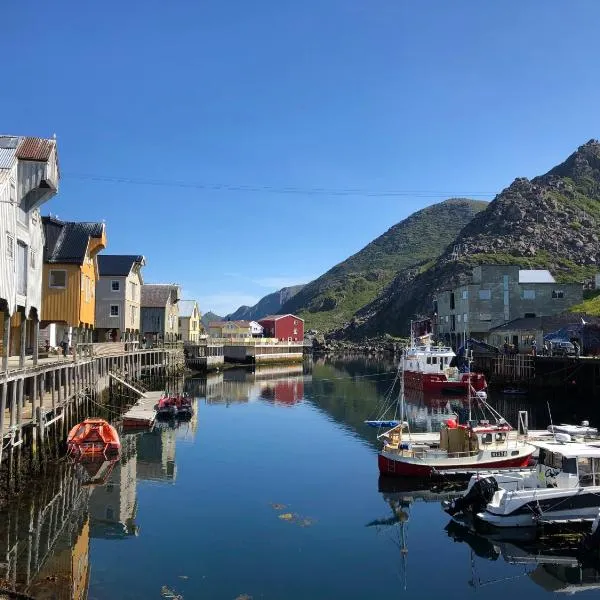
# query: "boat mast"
(468, 353)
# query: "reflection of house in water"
(283, 384)
(112, 506)
(44, 538)
(156, 455)
(209, 387)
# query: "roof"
(24, 148)
(156, 295)
(570, 449)
(240, 323)
(535, 276)
(186, 307)
(276, 317)
(545, 323)
(67, 241)
(118, 265)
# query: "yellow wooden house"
(69, 278)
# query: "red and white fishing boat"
(427, 367)
(485, 443)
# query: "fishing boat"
(93, 437)
(431, 368)
(563, 488)
(465, 445)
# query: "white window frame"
(112, 285)
(110, 310)
(57, 287)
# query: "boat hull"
(439, 383)
(410, 467)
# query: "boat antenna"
(551, 424)
(412, 334)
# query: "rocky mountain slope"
(332, 299)
(210, 317)
(268, 305)
(551, 221)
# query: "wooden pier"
(143, 413)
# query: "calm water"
(271, 492)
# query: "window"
(485, 294)
(558, 294)
(485, 317)
(451, 300)
(32, 259)
(115, 285)
(132, 291)
(22, 253)
(528, 294)
(465, 317)
(57, 279)
(465, 294)
(446, 318)
(10, 246)
(132, 314)
(179, 322)
(114, 310)
(459, 318)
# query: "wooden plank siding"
(62, 305)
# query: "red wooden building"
(286, 328)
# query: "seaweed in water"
(167, 592)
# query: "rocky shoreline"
(370, 346)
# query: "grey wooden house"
(160, 312)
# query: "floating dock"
(143, 413)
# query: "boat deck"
(142, 414)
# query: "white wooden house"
(29, 176)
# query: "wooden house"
(240, 329)
(118, 296)
(189, 321)
(29, 177)
(160, 312)
(69, 278)
(286, 328)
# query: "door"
(21, 268)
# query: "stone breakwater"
(371, 346)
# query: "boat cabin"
(568, 464)
(429, 359)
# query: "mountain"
(210, 317)
(550, 222)
(333, 298)
(268, 305)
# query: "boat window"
(569, 465)
(429, 360)
(486, 438)
(556, 461)
(434, 360)
(542, 457)
(500, 437)
(586, 472)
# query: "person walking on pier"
(65, 343)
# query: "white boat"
(583, 430)
(564, 487)
(463, 448)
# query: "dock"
(143, 413)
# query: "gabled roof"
(535, 276)
(118, 265)
(219, 324)
(67, 241)
(156, 295)
(275, 317)
(186, 307)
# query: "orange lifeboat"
(93, 437)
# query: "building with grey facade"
(159, 312)
(498, 294)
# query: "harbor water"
(272, 492)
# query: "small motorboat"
(171, 407)
(93, 437)
(574, 430)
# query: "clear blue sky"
(451, 97)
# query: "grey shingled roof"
(186, 307)
(118, 265)
(156, 295)
(66, 241)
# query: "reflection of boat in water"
(555, 563)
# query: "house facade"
(118, 296)
(159, 312)
(286, 328)
(29, 177)
(496, 295)
(230, 329)
(189, 321)
(69, 278)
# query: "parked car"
(562, 348)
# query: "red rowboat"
(93, 437)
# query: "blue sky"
(211, 109)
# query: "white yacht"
(564, 487)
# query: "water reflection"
(555, 563)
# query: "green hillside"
(331, 300)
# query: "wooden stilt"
(6, 340)
(23, 331)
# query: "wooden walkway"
(142, 413)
